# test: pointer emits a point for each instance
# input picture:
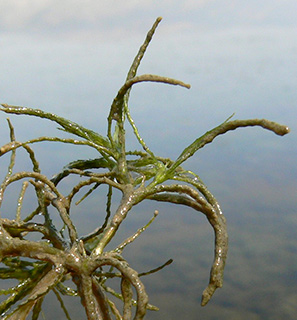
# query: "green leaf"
(67, 125)
(224, 127)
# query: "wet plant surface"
(62, 254)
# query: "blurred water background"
(249, 71)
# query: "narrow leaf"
(226, 126)
(68, 125)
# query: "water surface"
(251, 172)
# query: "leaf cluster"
(138, 175)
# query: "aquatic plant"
(61, 256)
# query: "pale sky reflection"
(239, 56)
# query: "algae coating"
(138, 174)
